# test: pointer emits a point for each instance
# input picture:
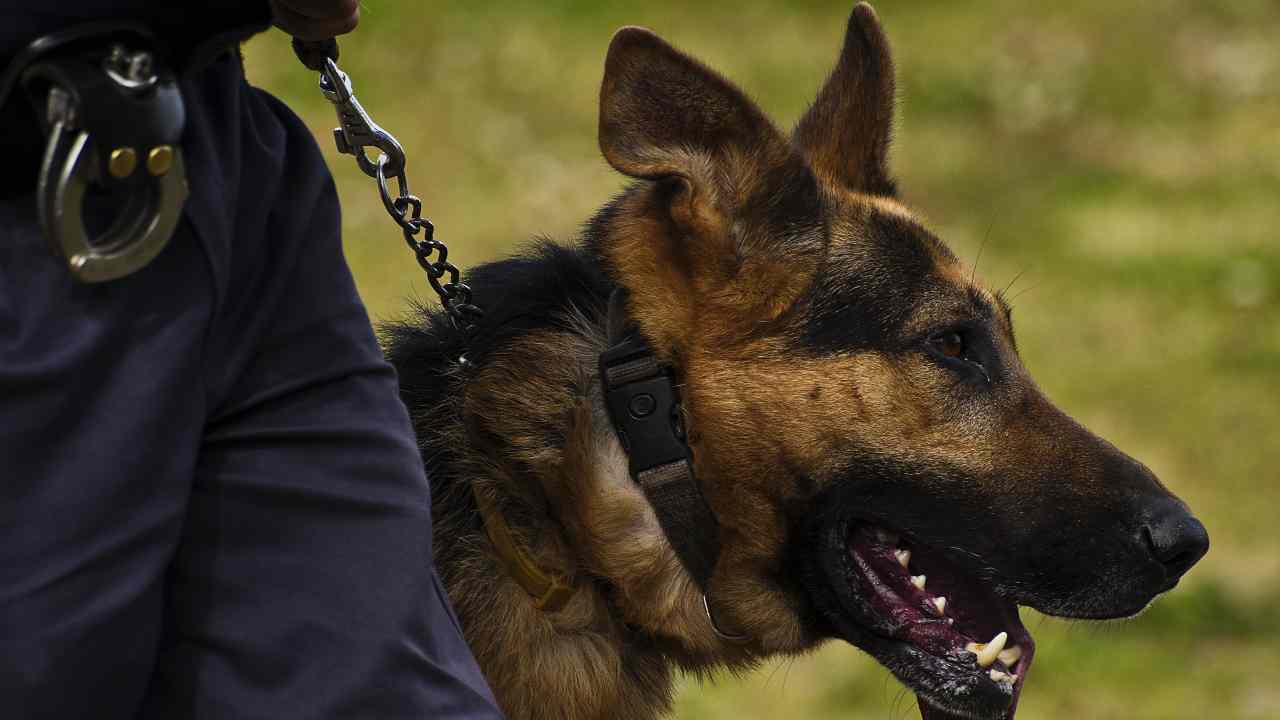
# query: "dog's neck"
(573, 510)
(644, 409)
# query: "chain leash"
(357, 132)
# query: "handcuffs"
(113, 118)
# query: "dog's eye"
(950, 344)
(953, 345)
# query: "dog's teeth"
(998, 676)
(940, 602)
(904, 557)
(1011, 655)
(987, 654)
(918, 581)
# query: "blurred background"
(1119, 162)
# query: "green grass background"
(1121, 158)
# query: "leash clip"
(358, 131)
(113, 117)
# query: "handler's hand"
(312, 20)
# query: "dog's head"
(861, 422)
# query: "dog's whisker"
(901, 707)
(786, 674)
(1024, 291)
(1003, 293)
(784, 666)
(973, 274)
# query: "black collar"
(640, 394)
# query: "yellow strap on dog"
(550, 591)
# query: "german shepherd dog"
(872, 457)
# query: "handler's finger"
(322, 8)
(316, 19)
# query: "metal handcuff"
(113, 116)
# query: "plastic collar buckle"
(641, 398)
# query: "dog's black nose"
(1175, 537)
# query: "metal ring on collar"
(728, 637)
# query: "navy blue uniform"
(211, 502)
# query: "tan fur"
(577, 508)
(763, 421)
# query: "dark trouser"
(211, 503)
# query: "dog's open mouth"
(940, 630)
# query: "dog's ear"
(730, 198)
(665, 116)
(846, 133)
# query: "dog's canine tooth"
(904, 557)
(940, 602)
(1011, 655)
(918, 581)
(998, 676)
(986, 654)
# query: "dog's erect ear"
(846, 133)
(732, 196)
(666, 116)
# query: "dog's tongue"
(972, 613)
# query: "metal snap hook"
(358, 131)
(723, 635)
